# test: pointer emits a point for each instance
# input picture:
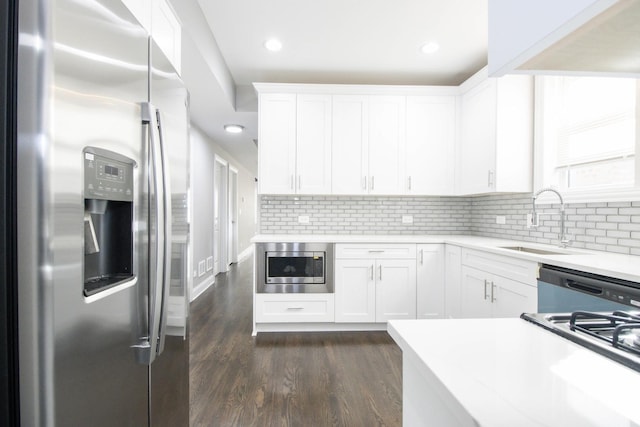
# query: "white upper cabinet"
(386, 144)
(430, 143)
(167, 32)
(349, 144)
(313, 144)
(277, 143)
(160, 20)
(141, 9)
(368, 144)
(496, 139)
(352, 140)
(294, 149)
(564, 36)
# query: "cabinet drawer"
(375, 251)
(276, 308)
(512, 268)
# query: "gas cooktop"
(615, 334)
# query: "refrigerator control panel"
(107, 176)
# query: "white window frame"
(613, 194)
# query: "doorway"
(233, 216)
(220, 215)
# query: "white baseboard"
(198, 290)
(247, 253)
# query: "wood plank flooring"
(285, 379)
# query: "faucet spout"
(534, 219)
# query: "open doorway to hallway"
(225, 218)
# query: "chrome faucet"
(564, 241)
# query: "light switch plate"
(407, 219)
(501, 219)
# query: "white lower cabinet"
(294, 308)
(453, 281)
(355, 290)
(487, 295)
(430, 284)
(395, 289)
(501, 287)
(370, 288)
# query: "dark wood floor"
(285, 379)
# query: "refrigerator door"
(82, 74)
(170, 370)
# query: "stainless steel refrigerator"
(103, 220)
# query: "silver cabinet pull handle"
(485, 288)
(380, 272)
(493, 287)
(295, 308)
(374, 251)
(364, 183)
(421, 256)
(372, 182)
(409, 182)
(490, 178)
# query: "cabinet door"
(167, 32)
(478, 139)
(430, 291)
(349, 167)
(395, 289)
(355, 291)
(430, 141)
(386, 144)
(511, 298)
(277, 146)
(313, 145)
(475, 300)
(453, 281)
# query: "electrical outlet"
(303, 219)
(407, 219)
(501, 219)
(530, 222)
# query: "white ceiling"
(336, 41)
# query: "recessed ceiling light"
(273, 45)
(430, 47)
(234, 128)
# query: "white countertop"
(509, 372)
(605, 263)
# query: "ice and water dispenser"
(108, 220)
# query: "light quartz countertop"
(509, 372)
(605, 263)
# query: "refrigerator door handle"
(166, 265)
(148, 352)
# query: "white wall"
(203, 152)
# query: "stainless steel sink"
(533, 250)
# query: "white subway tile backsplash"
(613, 227)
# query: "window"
(587, 137)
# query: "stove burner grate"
(618, 329)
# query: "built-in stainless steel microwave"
(294, 267)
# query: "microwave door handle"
(166, 229)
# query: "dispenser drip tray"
(97, 284)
